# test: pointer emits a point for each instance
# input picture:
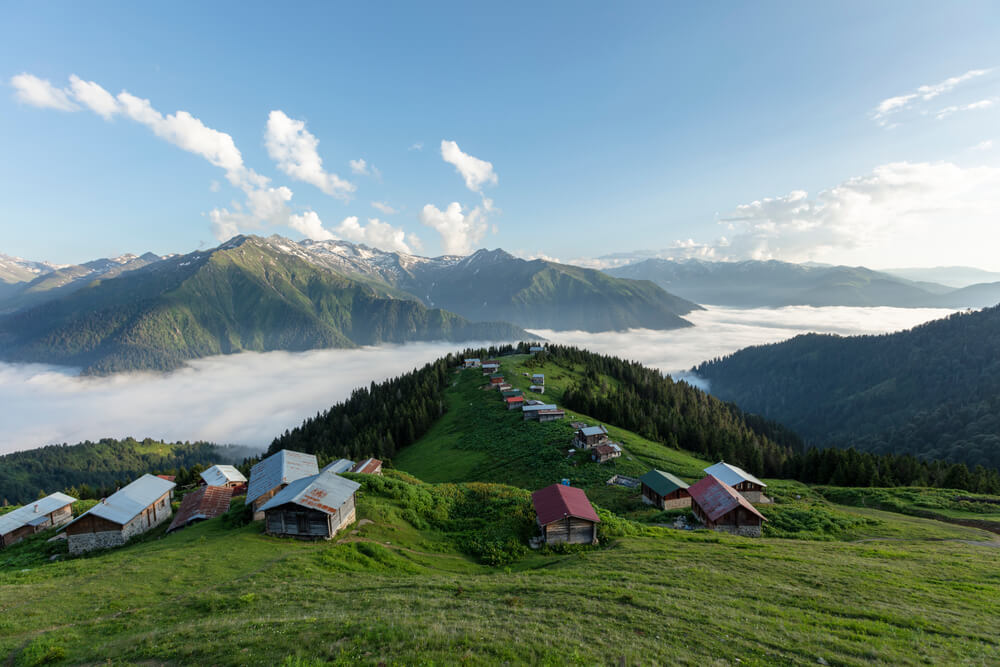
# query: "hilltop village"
(294, 497)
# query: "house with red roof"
(722, 508)
(565, 515)
(514, 402)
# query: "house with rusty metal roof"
(313, 507)
(664, 490)
(205, 502)
(223, 475)
(606, 452)
(54, 509)
(369, 467)
(514, 402)
(274, 473)
(130, 511)
(722, 508)
(749, 486)
(565, 515)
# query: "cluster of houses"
(514, 398)
(596, 440)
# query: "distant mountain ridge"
(753, 283)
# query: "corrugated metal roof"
(368, 466)
(593, 430)
(340, 465)
(662, 482)
(558, 501)
(730, 474)
(515, 399)
(34, 513)
(220, 475)
(325, 492)
(540, 406)
(716, 498)
(125, 504)
(206, 502)
(538, 375)
(607, 449)
(552, 412)
(279, 468)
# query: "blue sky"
(712, 130)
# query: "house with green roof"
(664, 490)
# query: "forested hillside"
(96, 469)
(932, 391)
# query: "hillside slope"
(243, 295)
(933, 391)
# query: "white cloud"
(94, 97)
(983, 145)
(459, 231)
(974, 106)
(359, 166)
(376, 233)
(309, 225)
(32, 90)
(904, 214)
(418, 146)
(893, 105)
(294, 150)
(476, 172)
(384, 208)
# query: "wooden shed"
(514, 402)
(663, 490)
(53, 510)
(749, 486)
(565, 515)
(274, 473)
(551, 415)
(606, 452)
(312, 508)
(133, 510)
(722, 508)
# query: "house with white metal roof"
(313, 507)
(340, 465)
(52, 510)
(532, 411)
(131, 511)
(223, 475)
(274, 473)
(591, 436)
(749, 486)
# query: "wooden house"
(205, 502)
(490, 367)
(313, 507)
(472, 363)
(722, 508)
(133, 510)
(538, 378)
(227, 476)
(749, 486)
(368, 467)
(514, 402)
(604, 453)
(551, 415)
(507, 393)
(275, 473)
(565, 515)
(591, 436)
(53, 510)
(663, 490)
(496, 380)
(531, 411)
(504, 387)
(537, 388)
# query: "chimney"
(36, 508)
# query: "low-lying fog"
(251, 397)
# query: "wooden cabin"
(274, 473)
(538, 378)
(227, 476)
(53, 510)
(504, 386)
(537, 388)
(490, 367)
(749, 486)
(133, 510)
(663, 490)
(368, 467)
(312, 508)
(606, 452)
(496, 380)
(565, 515)
(591, 436)
(514, 402)
(720, 507)
(532, 411)
(551, 415)
(472, 363)
(205, 502)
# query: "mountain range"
(932, 391)
(753, 284)
(253, 293)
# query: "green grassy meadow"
(437, 572)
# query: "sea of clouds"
(249, 398)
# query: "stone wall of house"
(84, 542)
(742, 531)
(756, 496)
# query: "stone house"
(53, 510)
(130, 511)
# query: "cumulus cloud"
(376, 233)
(94, 97)
(459, 231)
(37, 92)
(384, 207)
(309, 225)
(894, 105)
(359, 166)
(903, 213)
(294, 150)
(474, 171)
